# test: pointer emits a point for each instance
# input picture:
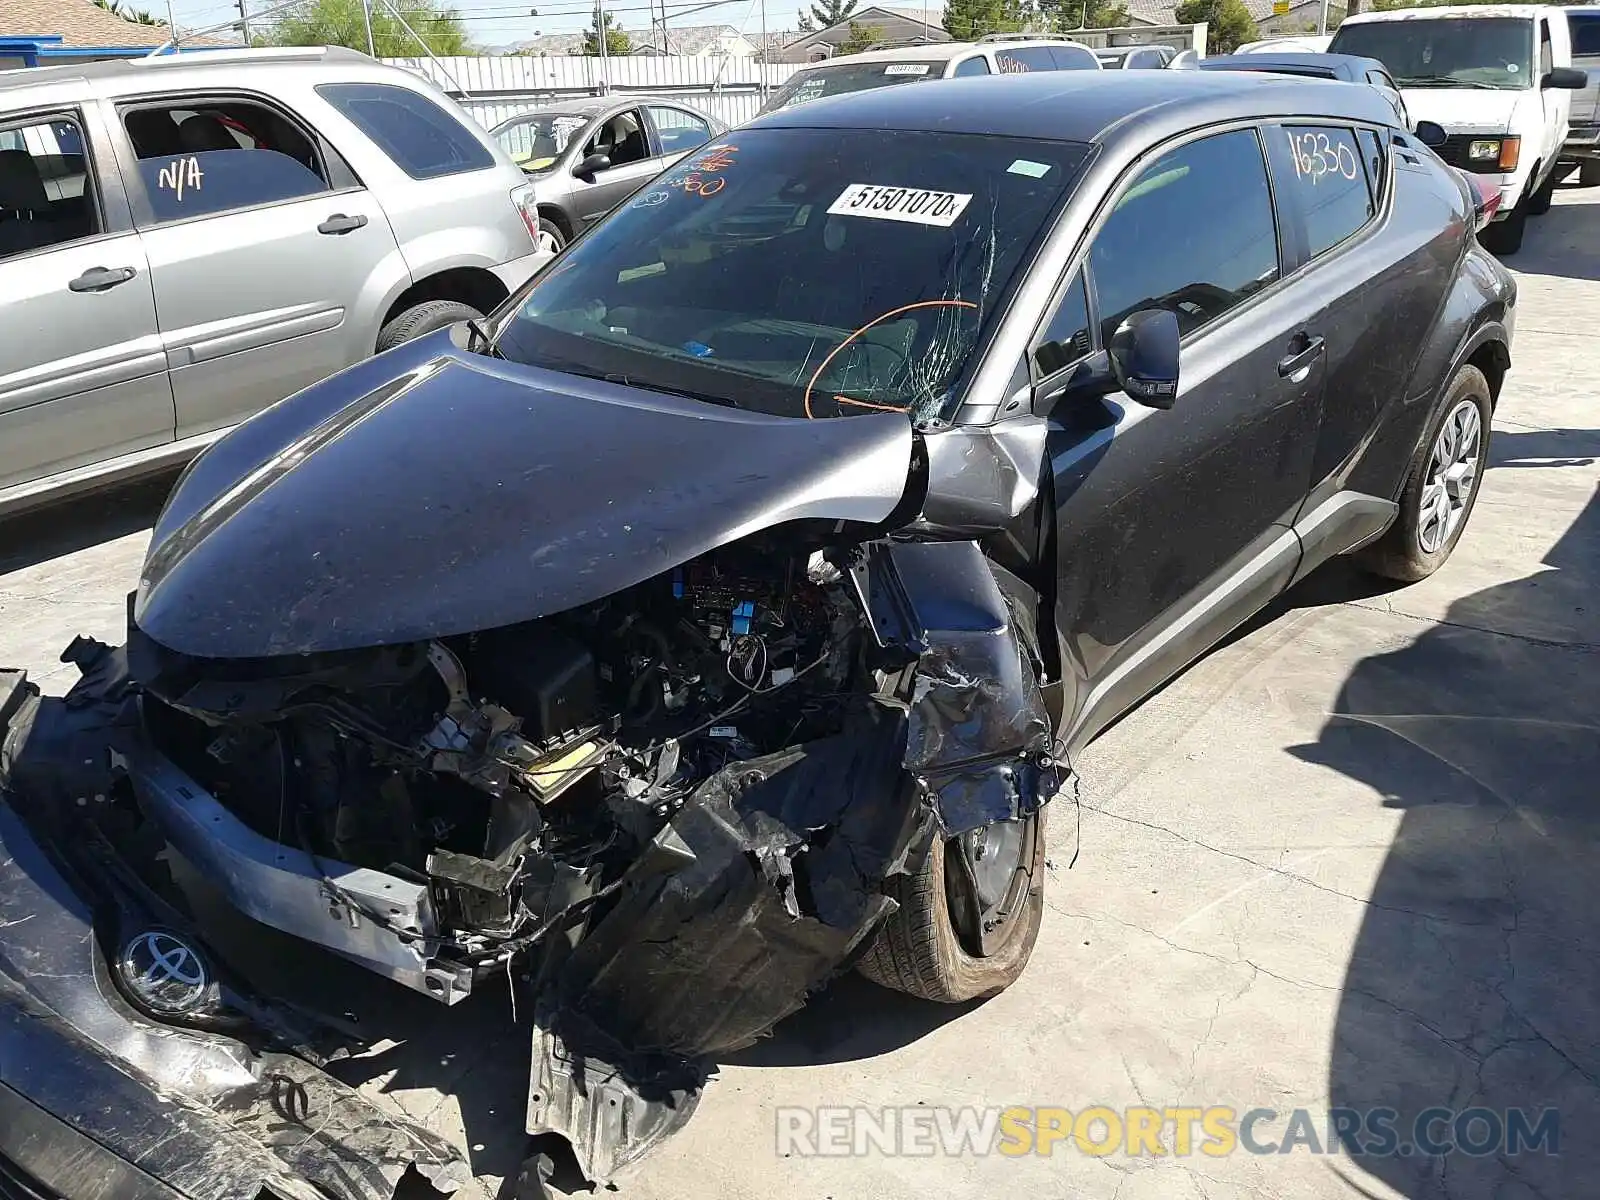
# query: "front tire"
(1442, 487)
(936, 946)
(1505, 237)
(1539, 201)
(427, 317)
(1589, 173)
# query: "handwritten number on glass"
(1316, 157)
(179, 175)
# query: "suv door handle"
(339, 223)
(99, 279)
(1297, 365)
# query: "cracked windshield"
(802, 272)
(1473, 52)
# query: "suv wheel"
(427, 317)
(1505, 237)
(1539, 202)
(968, 918)
(1442, 487)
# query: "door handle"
(1297, 365)
(339, 223)
(99, 279)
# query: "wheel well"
(470, 285)
(557, 218)
(1494, 360)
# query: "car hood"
(1464, 110)
(431, 492)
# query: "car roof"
(934, 51)
(1528, 11)
(1084, 106)
(159, 66)
(1331, 63)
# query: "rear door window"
(205, 156)
(678, 130)
(976, 65)
(419, 136)
(1328, 183)
(1585, 33)
(1152, 253)
(1019, 60)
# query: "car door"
(260, 239)
(624, 139)
(82, 375)
(677, 131)
(1557, 101)
(1173, 526)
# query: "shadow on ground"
(57, 530)
(1475, 979)
(1561, 242)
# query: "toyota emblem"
(165, 973)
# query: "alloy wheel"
(1452, 477)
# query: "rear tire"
(427, 317)
(551, 237)
(1589, 173)
(921, 949)
(1434, 507)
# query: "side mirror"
(1431, 134)
(592, 166)
(1569, 79)
(1144, 357)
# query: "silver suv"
(186, 239)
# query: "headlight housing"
(1501, 153)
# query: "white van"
(1498, 78)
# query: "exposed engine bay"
(504, 769)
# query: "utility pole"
(171, 23)
(1322, 21)
(762, 58)
(244, 20)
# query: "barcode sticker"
(906, 69)
(918, 206)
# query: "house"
(1296, 16)
(56, 32)
(553, 45)
(887, 25)
(694, 41)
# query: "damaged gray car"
(723, 613)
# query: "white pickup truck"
(1583, 139)
(1498, 79)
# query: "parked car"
(997, 54)
(1136, 58)
(1347, 68)
(1583, 134)
(1302, 44)
(727, 609)
(187, 239)
(586, 156)
(1498, 79)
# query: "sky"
(504, 22)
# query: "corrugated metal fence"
(494, 88)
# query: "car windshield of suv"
(805, 86)
(534, 143)
(802, 272)
(1443, 52)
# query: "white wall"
(494, 88)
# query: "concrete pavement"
(1347, 860)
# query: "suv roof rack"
(1013, 37)
(188, 56)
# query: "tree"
(860, 37)
(137, 15)
(831, 12)
(805, 24)
(966, 20)
(1068, 15)
(340, 23)
(617, 42)
(1228, 23)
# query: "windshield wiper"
(1444, 81)
(480, 342)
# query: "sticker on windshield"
(906, 69)
(1026, 166)
(918, 206)
(809, 90)
(564, 127)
